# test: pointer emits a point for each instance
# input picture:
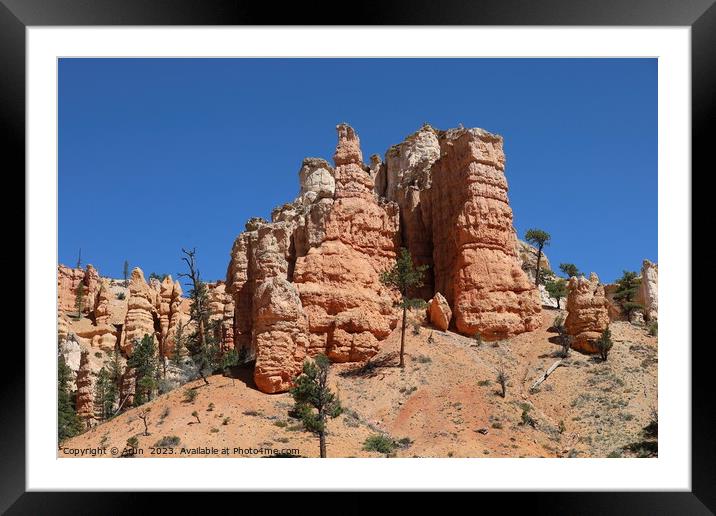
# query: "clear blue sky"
(156, 154)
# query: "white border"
(672, 470)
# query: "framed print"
(437, 250)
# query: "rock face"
(67, 281)
(308, 281)
(587, 315)
(527, 256)
(474, 241)
(648, 291)
(85, 396)
(439, 312)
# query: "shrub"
(133, 442)
(281, 424)
(431, 339)
(424, 359)
(527, 419)
(416, 328)
(190, 395)
(380, 443)
(196, 415)
(167, 442)
(484, 383)
(226, 421)
(604, 344)
(653, 328)
(210, 408)
(478, 340)
(121, 296)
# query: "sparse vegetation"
(210, 408)
(563, 338)
(423, 359)
(190, 395)
(196, 415)
(484, 383)
(431, 339)
(167, 442)
(604, 344)
(226, 421)
(477, 338)
(404, 276)
(121, 296)
(314, 402)
(380, 443)
(653, 328)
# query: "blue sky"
(159, 154)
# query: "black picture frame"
(700, 15)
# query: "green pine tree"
(179, 345)
(68, 423)
(627, 288)
(404, 276)
(539, 239)
(79, 299)
(569, 269)
(314, 401)
(557, 289)
(144, 362)
(105, 394)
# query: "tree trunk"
(539, 258)
(402, 337)
(322, 441)
(558, 308)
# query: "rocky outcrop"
(102, 303)
(141, 312)
(587, 315)
(475, 265)
(68, 280)
(441, 194)
(349, 310)
(85, 396)
(647, 295)
(280, 334)
(439, 312)
(221, 314)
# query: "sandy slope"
(439, 401)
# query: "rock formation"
(441, 194)
(67, 281)
(141, 310)
(85, 395)
(648, 291)
(221, 309)
(473, 239)
(439, 312)
(587, 315)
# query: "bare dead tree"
(198, 311)
(502, 380)
(143, 416)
